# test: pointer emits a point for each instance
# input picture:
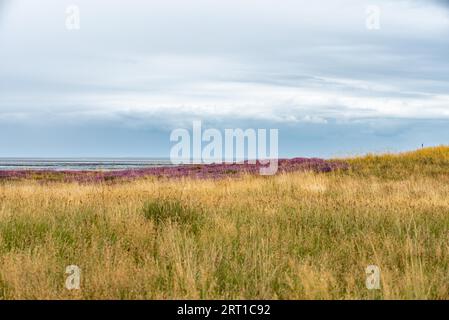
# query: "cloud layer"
(311, 67)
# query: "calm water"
(81, 163)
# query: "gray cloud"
(443, 2)
(158, 65)
(3, 8)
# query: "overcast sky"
(135, 70)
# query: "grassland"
(296, 235)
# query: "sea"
(81, 164)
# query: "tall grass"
(292, 236)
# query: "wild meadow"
(301, 234)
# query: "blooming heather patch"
(199, 171)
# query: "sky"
(136, 70)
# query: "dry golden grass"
(291, 236)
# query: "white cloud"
(156, 63)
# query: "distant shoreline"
(212, 171)
(81, 164)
